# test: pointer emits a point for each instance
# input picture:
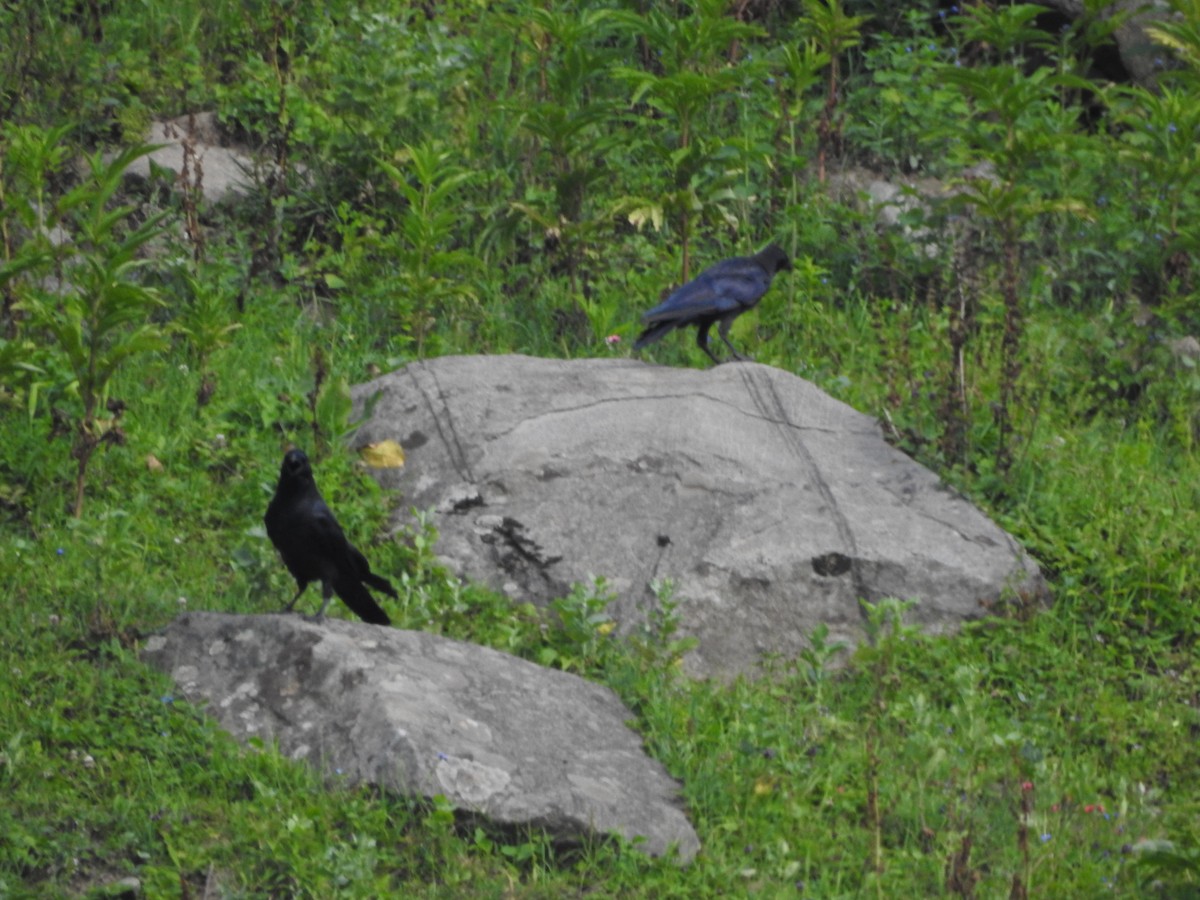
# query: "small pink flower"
(1027, 786)
(612, 340)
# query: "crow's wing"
(362, 569)
(297, 528)
(308, 537)
(324, 538)
(729, 286)
(343, 567)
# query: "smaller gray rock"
(222, 169)
(1185, 349)
(1144, 59)
(495, 735)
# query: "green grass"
(488, 182)
(851, 780)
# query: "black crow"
(720, 293)
(314, 547)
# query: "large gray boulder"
(772, 507)
(424, 715)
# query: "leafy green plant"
(32, 158)
(577, 143)
(1004, 33)
(1181, 33)
(207, 325)
(580, 640)
(429, 280)
(832, 32)
(1016, 125)
(329, 402)
(885, 632)
(657, 641)
(100, 316)
(817, 657)
(798, 68)
(1169, 862)
(568, 123)
(689, 84)
(898, 123)
(1158, 144)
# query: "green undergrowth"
(522, 178)
(1049, 746)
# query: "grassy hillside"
(464, 177)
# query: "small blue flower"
(167, 698)
(60, 551)
(442, 756)
(954, 9)
(1045, 837)
(1171, 127)
(770, 80)
(908, 49)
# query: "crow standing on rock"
(314, 547)
(720, 293)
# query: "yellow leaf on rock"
(383, 455)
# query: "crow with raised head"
(314, 547)
(720, 293)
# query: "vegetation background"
(469, 177)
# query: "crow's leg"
(327, 593)
(288, 608)
(723, 332)
(702, 340)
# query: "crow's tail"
(653, 333)
(380, 583)
(362, 569)
(361, 603)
